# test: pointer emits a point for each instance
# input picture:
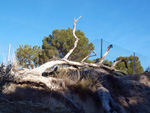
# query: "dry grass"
(68, 76)
(85, 87)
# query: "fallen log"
(41, 69)
(35, 76)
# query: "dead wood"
(39, 70)
(89, 56)
(107, 101)
(76, 39)
(119, 61)
(103, 57)
(35, 75)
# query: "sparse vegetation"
(73, 88)
(130, 63)
(28, 56)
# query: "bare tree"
(35, 75)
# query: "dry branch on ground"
(35, 75)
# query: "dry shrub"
(85, 87)
(69, 76)
(86, 82)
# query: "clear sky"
(125, 23)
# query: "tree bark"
(89, 56)
(119, 61)
(76, 39)
(103, 57)
(107, 101)
(35, 76)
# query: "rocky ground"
(130, 93)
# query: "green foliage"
(61, 41)
(130, 64)
(95, 60)
(28, 56)
(107, 63)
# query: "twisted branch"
(102, 59)
(119, 61)
(89, 55)
(76, 39)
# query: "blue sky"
(125, 23)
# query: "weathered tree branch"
(49, 64)
(119, 61)
(35, 75)
(89, 56)
(32, 77)
(103, 57)
(107, 101)
(76, 39)
(38, 71)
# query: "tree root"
(107, 101)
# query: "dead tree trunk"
(35, 75)
(37, 72)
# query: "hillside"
(66, 86)
(130, 94)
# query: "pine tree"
(130, 64)
(61, 41)
(28, 56)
